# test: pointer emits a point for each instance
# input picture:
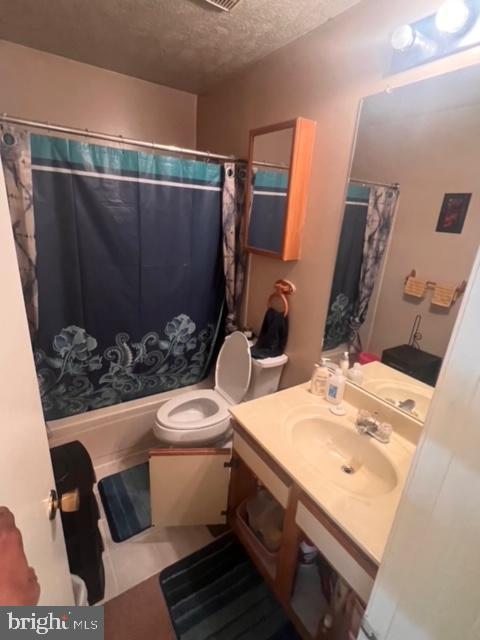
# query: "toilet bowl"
(193, 418)
(201, 417)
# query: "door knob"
(52, 504)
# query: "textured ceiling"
(186, 44)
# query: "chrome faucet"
(368, 423)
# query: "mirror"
(279, 171)
(271, 162)
(409, 236)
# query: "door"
(26, 475)
(428, 584)
(189, 486)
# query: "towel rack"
(431, 284)
(283, 288)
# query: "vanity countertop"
(367, 519)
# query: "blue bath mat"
(126, 500)
(217, 593)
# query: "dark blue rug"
(126, 500)
(217, 594)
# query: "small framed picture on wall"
(453, 212)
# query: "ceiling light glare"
(403, 38)
(452, 17)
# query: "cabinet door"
(189, 486)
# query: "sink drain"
(346, 468)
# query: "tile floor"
(131, 562)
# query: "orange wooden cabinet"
(292, 216)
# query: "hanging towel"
(273, 335)
(73, 470)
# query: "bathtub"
(120, 432)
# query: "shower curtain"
(129, 270)
(17, 169)
(363, 241)
(233, 204)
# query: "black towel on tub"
(73, 469)
(273, 336)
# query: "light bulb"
(452, 17)
(403, 38)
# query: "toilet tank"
(265, 376)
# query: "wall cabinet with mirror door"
(409, 236)
(279, 166)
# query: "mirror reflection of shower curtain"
(359, 258)
(344, 293)
(381, 211)
(129, 269)
(266, 228)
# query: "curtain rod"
(106, 136)
(122, 140)
(393, 185)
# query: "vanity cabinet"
(210, 486)
(189, 487)
(302, 517)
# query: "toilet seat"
(194, 418)
(194, 409)
(201, 416)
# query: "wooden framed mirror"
(279, 166)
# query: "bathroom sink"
(397, 392)
(350, 460)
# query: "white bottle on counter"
(335, 391)
(319, 381)
(345, 362)
(355, 374)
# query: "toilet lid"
(234, 366)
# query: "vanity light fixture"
(452, 17)
(403, 38)
(454, 27)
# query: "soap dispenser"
(335, 391)
(319, 381)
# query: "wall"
(427, 585)
(430, 154)
(321, 76)
(41, 86)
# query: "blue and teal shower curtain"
(129, 272)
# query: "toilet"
(200, 417)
